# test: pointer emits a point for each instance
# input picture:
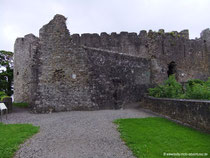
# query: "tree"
(6, 72)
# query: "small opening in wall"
(17, 73)
(204, 41)
(171, 68)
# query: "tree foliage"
(6, 72)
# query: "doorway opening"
(171, 68)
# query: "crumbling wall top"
(205, 33)
(56, 26)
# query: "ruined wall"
(205, 37)
(68, 77)
(25, 68)
(190, 56)
(59, 72)
(116, 79)
(62, 75)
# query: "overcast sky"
(21, 17)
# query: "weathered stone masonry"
(60, 72)
(195, 113)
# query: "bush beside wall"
(194, 89)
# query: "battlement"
(83, 39)
(115, 41)
(132, 43)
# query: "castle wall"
(205, 37)
(190, 56)
(126, 43)
(25, 68)
(62, 73)
(77, 78)
(116, 79)
(84, 78)
(59, 72)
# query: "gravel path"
(77, 134)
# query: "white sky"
(21, 17)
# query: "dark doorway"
(171, 68)
(117, 93)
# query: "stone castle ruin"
(60, 72)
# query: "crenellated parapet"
(129, 43)
(162, 47)
(114, 39)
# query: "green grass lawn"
(12, 135)
(154, 136)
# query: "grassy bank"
(156, 137)
(12, 135)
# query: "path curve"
(76, 134)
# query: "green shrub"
(207, 83)
(195, 89)
(195, 81)
(2, 95)
(170, 89)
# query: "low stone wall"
(195, 113)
